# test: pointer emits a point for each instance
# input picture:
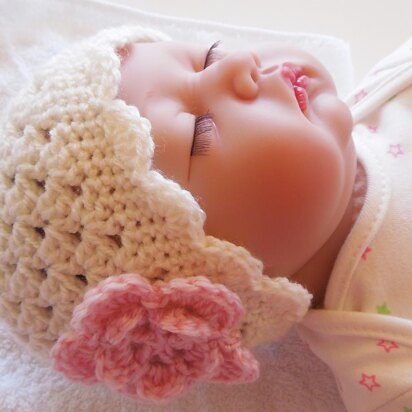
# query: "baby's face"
(258, 137)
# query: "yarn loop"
(153, 342)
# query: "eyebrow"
(123, 53)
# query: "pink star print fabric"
(364, 332)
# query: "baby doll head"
(258, 136)
(105, 267)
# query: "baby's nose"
(236, 73)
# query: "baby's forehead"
(173, 46)
(166, 53)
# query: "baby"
(260, 139)
(165, 207)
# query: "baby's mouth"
(295, 76)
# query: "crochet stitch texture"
(154, 342)
(80, 202)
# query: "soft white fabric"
(292, 378)
(365, 331)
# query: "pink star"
(369, 381)
(360, 95)
(367, 250)
(395, 150)
(373, 129)
(387, 345)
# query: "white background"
(373, 28)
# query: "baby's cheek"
(344, 123)
(334, 116)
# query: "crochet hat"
(105, 269)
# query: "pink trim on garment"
(153, 342)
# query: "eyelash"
(201, 135)
(211, 55)
(204, 123)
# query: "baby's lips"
(301, 97)
(288, 73)
(296, 69)
(302, 81)
(298, 81)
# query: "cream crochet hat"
(81, 210)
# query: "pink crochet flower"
(155, 342)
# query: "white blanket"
(292, 379)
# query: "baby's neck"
(315, 274)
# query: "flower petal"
(122, 366)
(73, 354)
(238, 366)
(203, 301)
(181, 321)
(199, 360)
(109, 302)
(126, 320)
(174, 372)
(162, 382)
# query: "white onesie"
(364, 332)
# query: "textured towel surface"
(292, 379)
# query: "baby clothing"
(364, 332)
